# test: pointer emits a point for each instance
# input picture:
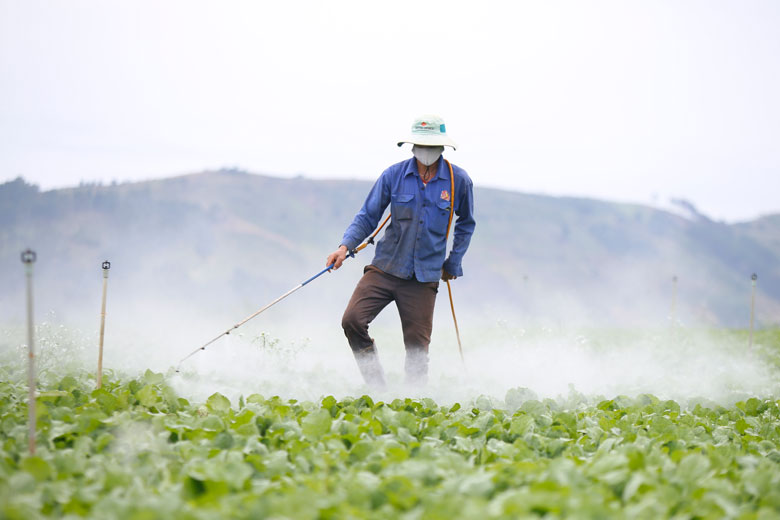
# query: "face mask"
(427, 154)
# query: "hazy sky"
(622, 100)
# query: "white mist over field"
(548, 343)
(550, 364)
(307, 361)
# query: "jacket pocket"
(444, 205)
(402, 206)
(441, 216)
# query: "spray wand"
(352, 253)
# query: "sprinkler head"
(106, 265)
(754, 277)
(28, 256)
(674, 278)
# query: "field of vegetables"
(135, 449)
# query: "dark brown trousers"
(415, 301)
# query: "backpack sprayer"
(351, 253)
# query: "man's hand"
(447, 276)
(337, 257)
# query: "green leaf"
(741, 426)
(693, 468)
(329, 402)
(521, 424)
(533, 407)
(483, 403)
(224, 441)
(153, 378)
(218, 403)
(107, 401)
(515, 397)
(37, 467)
(316, 424)
(212, 423)
(147, 396)
(754, 407)
(68, 383)
(255, 399)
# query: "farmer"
(410, 257)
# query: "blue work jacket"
(414, 243)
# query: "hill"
(230, 241)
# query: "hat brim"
(429, 140)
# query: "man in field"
(423, 192)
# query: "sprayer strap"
(452, 201)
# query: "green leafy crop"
(134, 449)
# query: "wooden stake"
(454, 319)
(752, 309)
(28, 259)
(106, 266)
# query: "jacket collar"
(442, 171)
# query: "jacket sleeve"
(464, 227)
(368, 217)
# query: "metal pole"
(28, 259)
(752, 309)
(674, 299)
(106, 266)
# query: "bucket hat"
(429, 130)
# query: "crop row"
(133, 449)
